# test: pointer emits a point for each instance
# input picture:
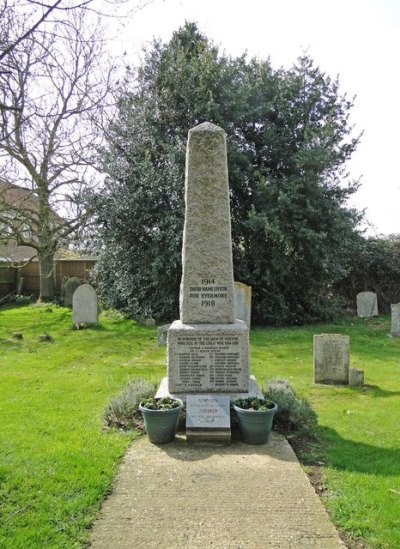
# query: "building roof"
(12, 252)
(21, 197)
(19, 254)
(23, 204)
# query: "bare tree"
(41, 11)
(54, 87)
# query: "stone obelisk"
(207, 244)
(208, 350)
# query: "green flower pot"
(255, 425)
(161, 425)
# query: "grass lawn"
(57, 463)
(359, 427)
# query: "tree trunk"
(47, 276)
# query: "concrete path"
(233, 497)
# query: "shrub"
(294, 413)
(122, 411)
(254, 404)
(114, 314)
(166, 403)
(375, 267)
(23, 299)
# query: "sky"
(357, 40)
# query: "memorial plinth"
(206, 358)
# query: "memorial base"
(209, 435)
(215, 436)
(208, 358)
(253, 391)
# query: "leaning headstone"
(331, 359)
(162, 332)
(367, 304)
(395, 329)
(85, 305)
(243, 303)
(208, 351)
(70, 286)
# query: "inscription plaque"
(208, 293)
(208, 412)
(208, 360)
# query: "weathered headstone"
(162, 332)
(85, 305)
(208, 351)
(70, 286)
(367, 304)
(331, 359)
(149, 321)
(395, 328)
(243, 303)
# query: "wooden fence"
(64, 268)
(8, 279)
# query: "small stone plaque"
(206, 411)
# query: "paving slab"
(221, 497)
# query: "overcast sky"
(359, 40)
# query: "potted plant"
(161, 416)
(255, 417)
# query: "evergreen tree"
(288, 141)
(375, 266)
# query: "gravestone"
(162, 332)
(243, 303)
(331, 359)
(208, 350)
(85, 305)
(367, 304)
(395, 328)
(70, 286)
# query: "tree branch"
(12, 47)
